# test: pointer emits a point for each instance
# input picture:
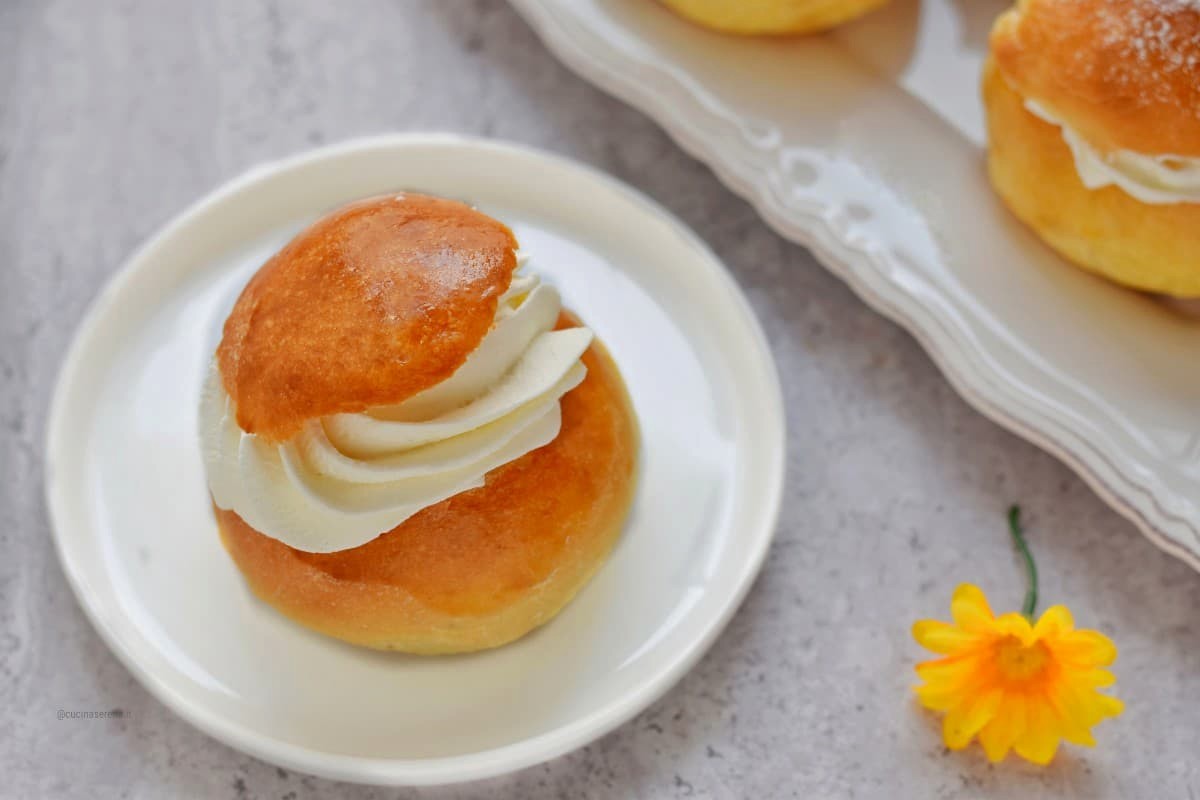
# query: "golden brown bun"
(771, 16)
(1151, 247)
(484, 567)
(1125, 74)
(368, 306)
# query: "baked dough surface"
(368, 306)
(1125, 74)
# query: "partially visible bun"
(366, 307)
(1125, 74)
(1106, 231)
(772, 16)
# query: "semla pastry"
(409, 444)
(1094, 133)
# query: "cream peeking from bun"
(1094, 133)
(409, 444)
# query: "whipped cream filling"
(1154, 179)
(346, 478)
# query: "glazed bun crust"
(771, 16)
(1125, 74)
(366, 307)
(481, 568)
(1106, 231)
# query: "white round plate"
(136, 537)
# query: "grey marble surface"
(115, 115)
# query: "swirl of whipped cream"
(1154, 179)
(346, 478)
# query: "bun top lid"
(1125, 74)
(368, 306)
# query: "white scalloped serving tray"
(866, 146)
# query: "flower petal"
(938, 698)
(1014, 624)
(964, 721)
(1055, 621)
(998, 736)
(1086, 705)
(1109, 706)
(1085, 648)
(955, 672)
(970, 609)
(952, 681)
(944, 638)
(1077, 711)
(952, 686)
(1091, 678)
(1039, 741)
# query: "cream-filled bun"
(1094, 133)
(409, 444)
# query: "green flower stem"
(1014, 526)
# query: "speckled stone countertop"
(115, 115)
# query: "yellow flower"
(1017, 686)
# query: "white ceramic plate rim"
(473, 766)
(691, 118)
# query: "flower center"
(1018, 661)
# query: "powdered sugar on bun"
(1125, 74)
